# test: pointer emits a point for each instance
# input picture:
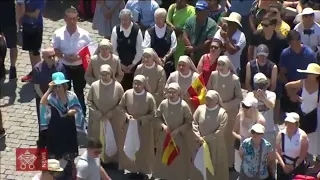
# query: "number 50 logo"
(31, 159)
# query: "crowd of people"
(254, 74)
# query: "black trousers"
(127, 81)
(76, 75)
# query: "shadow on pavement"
(26, 93)
(3, 143)
(8, 89)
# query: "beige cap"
(292, 117)
(258, 128)
(250, 101)
(260, 78)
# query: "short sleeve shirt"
(251, 158)
(276, 44)
(198, 34)
(88, 168)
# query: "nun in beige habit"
(103, 98)
(227, 84)
(184, 76)
(156, 76)
(209, 124)
(104, 55)
(173, 115)
(137, 103)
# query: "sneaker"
(26, 78)
(13, 73)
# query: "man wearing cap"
(198, 32)
(233, 39)
(261, 65)
(309, 30)
(266, 103)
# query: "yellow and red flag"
(170, 150)
(197, 92)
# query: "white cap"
(307, 11)
(292, 117)
(250, 101)
(258, 128)
(260, 78)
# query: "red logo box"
(31, 159)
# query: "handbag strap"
(282, 142)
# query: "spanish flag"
(170, 150)
(197, 92)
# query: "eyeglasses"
(244, 106)
(214, 47)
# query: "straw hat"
(234, 17)
(312, 68)
(54, 165)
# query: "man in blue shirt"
(296, 56)
(143, 12)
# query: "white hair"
(125, 12)
(160, 12)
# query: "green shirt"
(198, 34)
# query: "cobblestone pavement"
(18, 105)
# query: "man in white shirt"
(67, 41)
(162, 39)
(88, 166)
(233, 39)
(266, 102)
(126, 39)
(309, 30)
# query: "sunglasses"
(215, 47)
(265, 25)
(255, 133)
(244, 106)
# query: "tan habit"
(184, 81)
(140, 106)
(210, 124)
(177, 117)
(92, 74)
(103, 99)
(229, 88)
(155, 75)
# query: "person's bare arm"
(304, 149)
(104, 175)
(250, 52)
(200, 64)
(251, 23)
(236, 128)
(274, 77)
(282, 75)
(279, 150)
(34, 14)
(294, 87)
(248, 78)
(38, 90)
(299, 7)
